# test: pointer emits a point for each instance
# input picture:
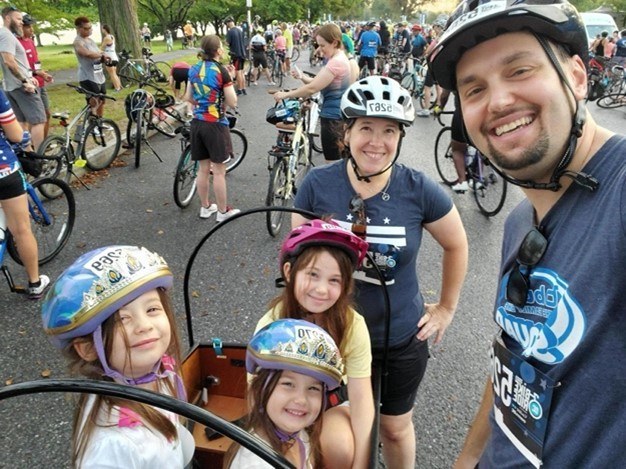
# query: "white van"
(595, 23)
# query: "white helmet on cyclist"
(377, 96)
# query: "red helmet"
(323, 233)
(416, 27)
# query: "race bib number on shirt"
(522, 398)
(479, 12)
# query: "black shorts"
(458, 129)
(179, 75)
(28, 107)
(406, 366)
(210, 140)
(237, 62)
(93, 87)
(259, 59)
(430, 79)
(12, 186)
(371, 64)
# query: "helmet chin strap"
(366, 177)
(586, 181)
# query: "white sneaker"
(476, 185)
(271, 83)
(423, 113)
(206, 212)
(227, 214)
(96, 132)
(36, 292)
(460, 187)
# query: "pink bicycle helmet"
(323, 233)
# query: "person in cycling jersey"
(368, 44)
(519, 70)
(390, 205)
(258, 47)
(14, 202)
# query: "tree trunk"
(121, 16)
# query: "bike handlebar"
(90, 94)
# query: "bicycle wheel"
(303, 162)
(443, 157)
(315, 134)
(102, 144)
(408, 83)
(249, 69)
(53, 147)
(185, 179)
(141, 132)
(159, 71)
(276, 195)
(240, 148)
(278, 74)
(52, 219)
(295, 54)
(489, 191)
(158, 118)
(613, 100)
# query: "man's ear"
(579, 77)
(286, 271)
(85, 349)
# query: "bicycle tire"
(53, 236)
(443, 157)
(185, 179)
(295, 54)
(158, 120)
(612, 101)
(276, 196)
(315, 135)
(159, 71)
(490, 197)
(240, 149)
(408, 83)
(103, 146)
(53, 146)
(249, 73)
(303, 162)
(140, 134)
(278, 72)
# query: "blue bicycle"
(52, 221)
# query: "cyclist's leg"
(458, 143)
(18, 223)
(219, 185)
(202, 182)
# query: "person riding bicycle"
(368, 45)
(258, 46)
(13, 199)
(519, 70)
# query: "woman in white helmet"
(390, 205)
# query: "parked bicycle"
(88, 140)
(276, 67)
(187, 169)
(52, 221)
(289, 160)
(488, 186)
(144, 68)
(413, 82)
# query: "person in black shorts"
(258, 46)
(235, 41)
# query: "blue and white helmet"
(296, 345)
(97, 285)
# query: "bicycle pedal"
(80, 163)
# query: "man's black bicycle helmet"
(476, 21)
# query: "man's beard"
(529, 157)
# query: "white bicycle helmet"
(377, 96)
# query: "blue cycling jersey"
(370, 41)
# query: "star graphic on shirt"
(543, 383)
(349, 217)
(368, 220)
(386, 220)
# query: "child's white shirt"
(121, 441)
(246, 459)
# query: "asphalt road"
(232, 282)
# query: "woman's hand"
(279, 96)
(436, 319)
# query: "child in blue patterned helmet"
(110, 315)
(293, 363)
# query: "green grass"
(64, 98)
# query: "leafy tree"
(169, 14)
(121, 16)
